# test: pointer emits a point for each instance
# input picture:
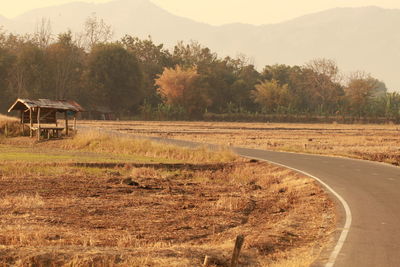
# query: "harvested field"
(171, 211)
(370, 142)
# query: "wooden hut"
(41, 115)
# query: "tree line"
(135, 77)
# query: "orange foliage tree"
(183, 87)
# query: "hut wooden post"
(22, 123)
(66, 123)
(30, 122)
(74, 123)
(38, 124)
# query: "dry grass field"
(9, 125)
(99, 201)
(370, 142)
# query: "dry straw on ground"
(99, 142)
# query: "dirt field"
(101, 202)
(371, 142)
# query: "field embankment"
(371, 142)
(98, 200)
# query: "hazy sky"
(220, 11)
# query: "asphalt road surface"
(369, 231)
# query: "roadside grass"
(96, 141)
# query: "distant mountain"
(136, 17)
(357, 38)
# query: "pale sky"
(219, 12)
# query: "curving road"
(371, 190)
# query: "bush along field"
(98, 200)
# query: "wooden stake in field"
(206, 261)
(236, 251)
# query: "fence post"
(236, 251)
(206, 261)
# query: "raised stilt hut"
(41, 116)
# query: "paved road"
(372, 191)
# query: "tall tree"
(324, 81)
(96, 31)
(278, 72)
(360, 90)
(153, 59)
(218, 81)
(271, 96)
(392, 105)
(6, 62)
(114, 78)
(298, 84)
(193, 54)
(65, 63)
(246, 78)
(28, 76)
(43, 33)
(327, 68)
